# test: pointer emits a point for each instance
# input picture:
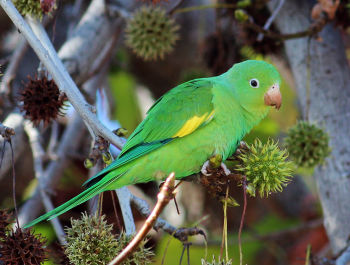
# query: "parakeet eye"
(254, 83)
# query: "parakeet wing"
(178, 113)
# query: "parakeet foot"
(225, 169)
(205, 172)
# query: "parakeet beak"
(273, 97)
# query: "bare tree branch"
(68, 143)
(124, 197)
(38, 154)
(14, 121)
(271, 19)
(77, 56)
(180, 233)
(313, 29)
(164, 196)
(54, 65)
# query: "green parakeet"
(186, 126)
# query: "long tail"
(79, 199)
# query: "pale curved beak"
(273, 97)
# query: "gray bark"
(329, 108)
(14, 121)
(77, 54)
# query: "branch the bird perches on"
(166, 194)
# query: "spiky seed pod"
(23, 247)
(214, 262)
(41, 100)
(150, 33)
(265, 167)
(90, 241)
(5, 220)
(307, 144)
(29, 7)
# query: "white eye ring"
(254, 83)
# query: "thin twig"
(314, 28)
(113, 194)
(68, 143)
(308, 255)
(181, 234)
(271, 19)
(38, 155)
(14, 181)
(54, 65)
(242, 220)
(202, 7)
(175, 7)
(225, 222)
(164, 196)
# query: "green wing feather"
(171, 112)
(178, 113)
(165, 118)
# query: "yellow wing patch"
(193, 123)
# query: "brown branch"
(271, 19)
(164, 196)
(202, 7)
(181, 234)
(314, 28)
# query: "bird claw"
(205, 172)
(225, 169)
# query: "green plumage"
(184, 128)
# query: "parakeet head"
(256, 85)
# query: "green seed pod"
(241, 15)
(88, 163)
(307, 144)
(90, 241)
(265, 168)
(29, 7)
(121, 132)
(150, 33)
(107, 157)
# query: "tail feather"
(79, 199)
